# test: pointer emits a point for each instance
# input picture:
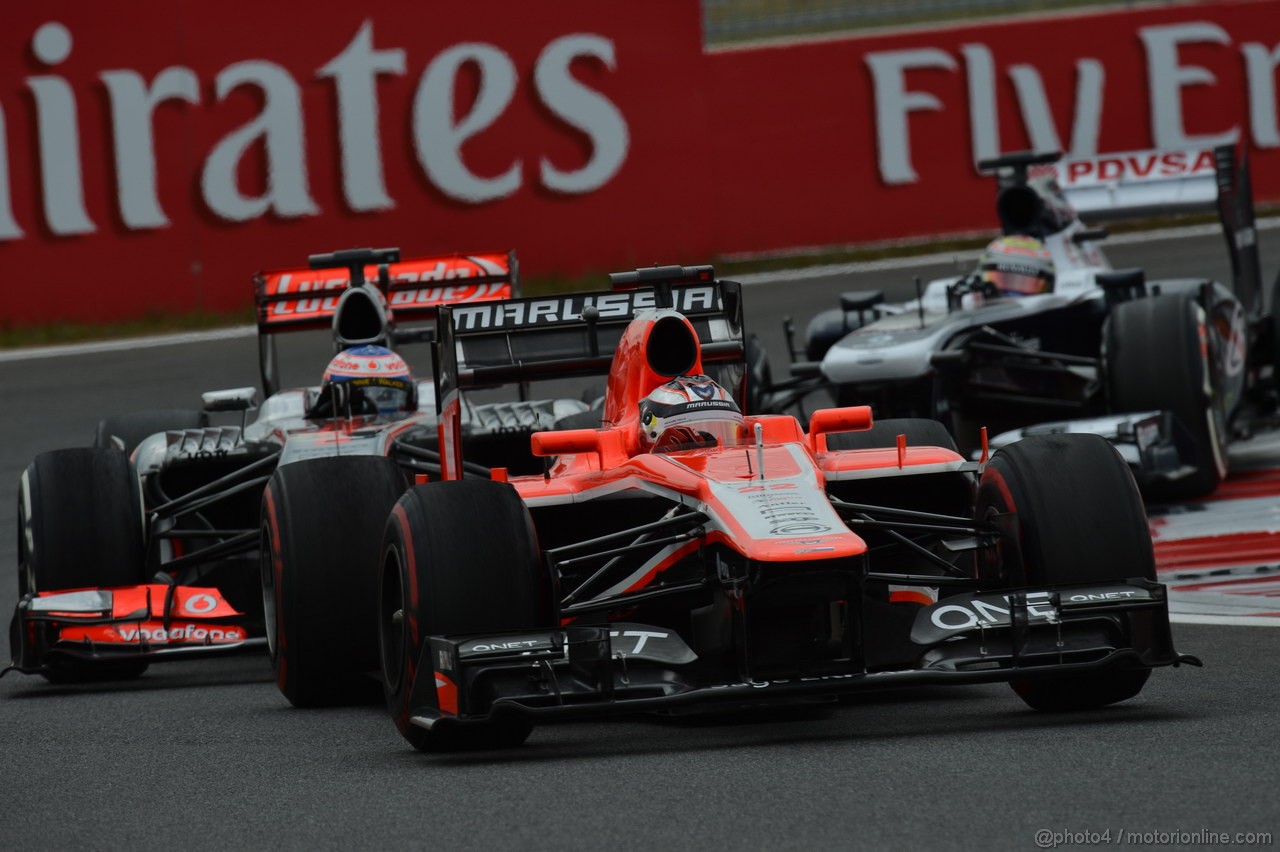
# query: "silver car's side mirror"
(233, 399)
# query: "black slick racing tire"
(1073, 694)
(759, 377)
(1274, 320)
(322, 522)
(80, 525)
(135, 427)
(920, 432)
(458, 558)
(1157, 357)
(1080, 520)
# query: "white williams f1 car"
(1046, 337)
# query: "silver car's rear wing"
(360, 295)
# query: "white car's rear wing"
(1140, 184)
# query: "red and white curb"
(1220, 556)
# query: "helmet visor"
(698, 431)
(386, 394)
(1017, 283)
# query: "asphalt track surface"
(208, 755)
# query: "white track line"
(1229, 620)
(1136, 237)
(34, 352)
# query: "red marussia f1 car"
(663, 561)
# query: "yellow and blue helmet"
(1017, 266)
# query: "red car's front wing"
(628, 668)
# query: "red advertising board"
(150, 161)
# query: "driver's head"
(689, 412)
(1017, 266)
(375, 379)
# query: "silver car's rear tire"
(1159, 356)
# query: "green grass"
(732, 21)
(51, 334)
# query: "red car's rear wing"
(575, 334)
(412, 291)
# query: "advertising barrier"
(154, 155)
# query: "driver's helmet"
(1017, 266)
(374, 380)
(689, 412)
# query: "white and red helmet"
(376, 380)
(689, 412)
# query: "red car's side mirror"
(855, 418)
(567, 443)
